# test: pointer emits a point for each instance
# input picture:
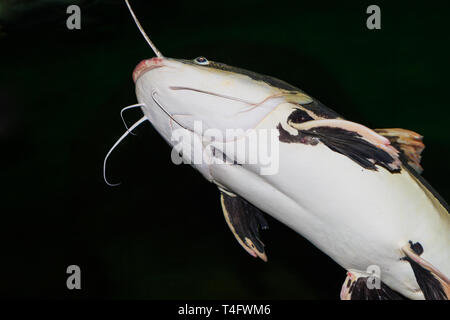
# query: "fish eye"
(201, 61)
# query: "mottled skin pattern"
(310, 122)
(368, 156)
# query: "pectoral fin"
(362, 287)
(408, 142)
(245, 221)
(359, 143)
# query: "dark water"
(161, 234)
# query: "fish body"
(356, 193)
(358, 217)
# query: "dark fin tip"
(431, 287)
(361, 291)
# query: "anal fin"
(245, 221)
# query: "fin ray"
(244, 221)
(434, 284)
(408, 142)
(357, 142)
(355, 287)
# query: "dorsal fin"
(408, 142)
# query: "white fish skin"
(358, 217)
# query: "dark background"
(161, 234)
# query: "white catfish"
(354, 192)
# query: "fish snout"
(147, 65)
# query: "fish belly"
(360, 218)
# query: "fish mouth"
(145, 66)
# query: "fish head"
(177, 93)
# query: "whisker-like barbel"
(128, 108)
(152, 45)
(165, 111)
(134, 126)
